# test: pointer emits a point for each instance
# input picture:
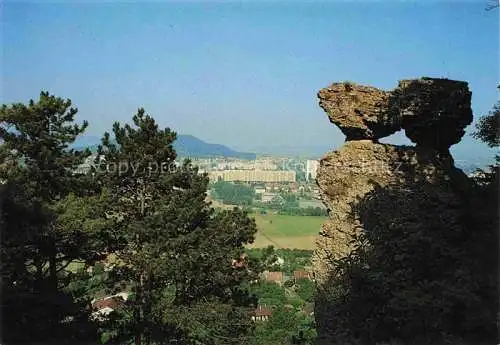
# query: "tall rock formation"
(434, 114)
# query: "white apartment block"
(254, 175)
(311, 169)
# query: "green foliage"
(286, 327)
(269, 294)
(168, 248)
(288, 204)
(283, 318)
(177, 258)
(294, 259)
(289, 198)
(233, 193)
(266, 258)
(306, 290)
(488, 131)
(305, 211)
(36, 171)
(488, 127)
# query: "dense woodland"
(174, 254)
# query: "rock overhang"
(433, 112)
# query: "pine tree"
(36, 170)
(177, 263)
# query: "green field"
(284, 231)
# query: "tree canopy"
(488, 127)
(38, 177)
(171, 252)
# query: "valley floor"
(283, 231)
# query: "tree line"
(233, 193)
(172, 253)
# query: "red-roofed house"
(107, 304)
(274, 277)
(298, 275)
(262, 313)
(111, 303)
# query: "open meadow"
(283, 231)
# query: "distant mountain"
(190, 146)
(185, 146)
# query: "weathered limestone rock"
(361, 112)
(347, 175)
(434, 112)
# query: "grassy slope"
(287, 231)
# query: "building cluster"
(102, 307)
(244, 165)
(264, 312)
(253, 175)
(264, 169)
(280, 278)
(271, 192)
(230, 163)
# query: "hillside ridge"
(185, 145)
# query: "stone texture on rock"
(434, 112)
(401, 184)
(361, 112)
(349, 175)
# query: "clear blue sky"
(244, 74)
